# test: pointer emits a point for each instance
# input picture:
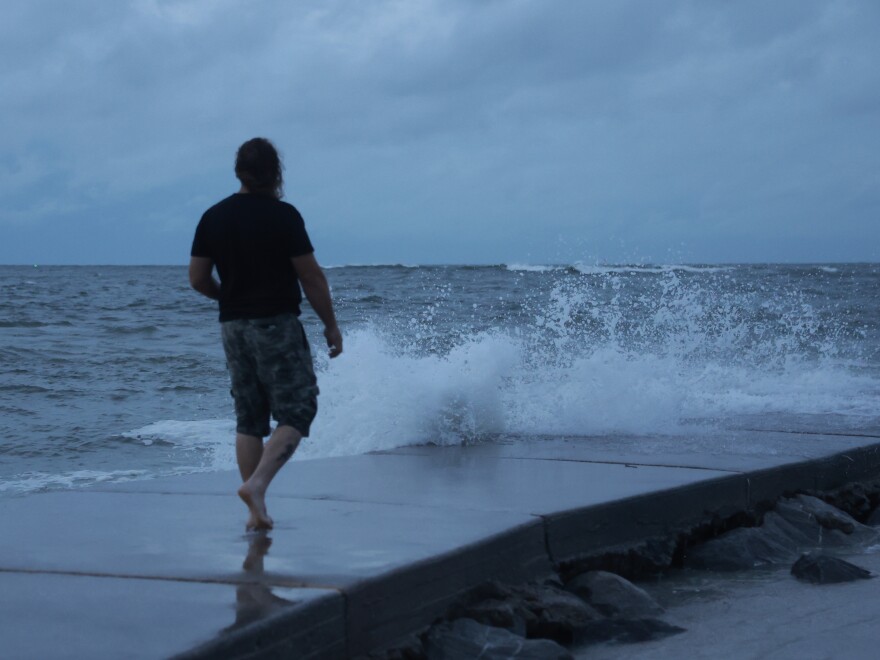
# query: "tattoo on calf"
(288, 452)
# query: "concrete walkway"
(368, 548)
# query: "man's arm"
(201, 277)
(317, 292)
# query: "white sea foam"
(389, 265)
(533, 268)
(584, 365)
(211, 439)
(374, 398)
(29, 482)
(603, 269)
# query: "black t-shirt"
(251, 239)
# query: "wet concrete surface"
(46, 615)
(367, 548)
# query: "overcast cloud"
(448, 131)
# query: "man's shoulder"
(287, 206)
(223, 205)
(290, 210)
(237, 204)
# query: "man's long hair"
(259, 168)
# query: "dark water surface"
(111, 373)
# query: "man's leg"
(277, 451)
(248, 452)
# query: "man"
(263, 254)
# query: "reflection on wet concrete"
(254, 600)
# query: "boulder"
(807, 529)
(857, 499)
(552, 612)
(536, 610)
(613, 595)
(466, 638)
(823, 569)
(826, 515)
(497, 613)
(835, 527)
(745, 547)
(649, 557)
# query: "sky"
(447, 131)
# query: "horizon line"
(600, 264)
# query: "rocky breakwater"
(796, 525)
(539, 620)
(583, 605)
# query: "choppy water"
(111, 373)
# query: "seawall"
(368, 548)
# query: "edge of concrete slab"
(312, 630)
(378, 611)
(382, 609)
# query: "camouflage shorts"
(270, 366)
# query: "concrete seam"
(831, 433)
(623, 463)
(346, 620)
(288, 584)
(546, 530)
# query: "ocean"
(112, 373)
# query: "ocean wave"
(132, 330)
(635, 269)
(33, 324)
(24, 389)
(213, 438)
(390, 265)
(461, 355)
(533, 268)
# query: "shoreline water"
(783, 617)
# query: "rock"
(613, 595)
(552, 612)
(649, 557)
(793, 512)
(465, 638)
(823, 569)
(745, 547)
(536, 610)
(793, 525)
(492, 604)
(836, 527)
(496, 613)
(489, 590)
(826, 515)
(857, 499)
(626, 631)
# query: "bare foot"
(251, 525)
(254, 499)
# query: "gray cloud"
(429, 131)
